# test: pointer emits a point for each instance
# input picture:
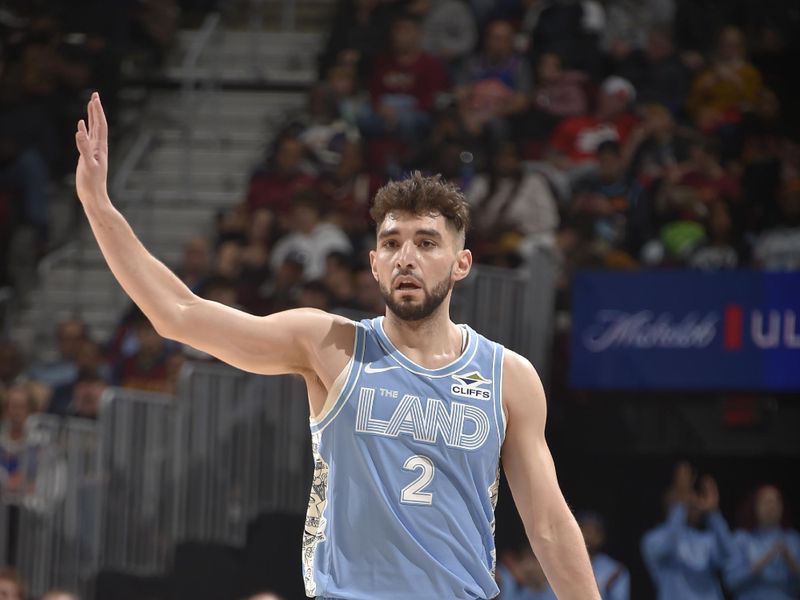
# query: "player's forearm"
(562, 552)
(148, 282)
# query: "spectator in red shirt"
(273, 185)
(403, 86)
(146, 369)
(576, 140)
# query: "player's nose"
(406, 255)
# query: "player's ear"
(463, 264)
(373, 264)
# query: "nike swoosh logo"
(368, 368)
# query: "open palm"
(90, 177)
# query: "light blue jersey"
(406, 476)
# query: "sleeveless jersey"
(406, 475)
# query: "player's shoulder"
(516, 367)
(323, 327)
(522, 388)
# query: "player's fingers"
(90, 116)
(102, 124)
(82, 139)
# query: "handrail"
(196, 48)
(131, 160)
(6, 294)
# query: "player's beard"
(408, 311)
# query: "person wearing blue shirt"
(520, 577)
(684, 559)
(612, 577)
(767, 563)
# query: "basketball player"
(409, 412)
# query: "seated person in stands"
(19, 402)
(70, 335)
(778, 248)
(311, 237)
(603, 196)
(728, 87)
(145, 369)
(510, 201)
(497, 82)
(284, 174)
(404, 85)
(577, 139)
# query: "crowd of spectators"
(52, 54)
(613, 134)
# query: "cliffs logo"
(471, 386)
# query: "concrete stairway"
(192, 158)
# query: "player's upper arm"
(294, 341)
(527, 461)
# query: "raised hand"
(708, 498)
(92, 171)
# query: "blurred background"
(634, 172)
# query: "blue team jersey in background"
(406, 476)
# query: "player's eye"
(390, 244)
(427, 244)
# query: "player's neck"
(432, 343)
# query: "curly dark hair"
(422, 195)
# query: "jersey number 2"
(412, 493)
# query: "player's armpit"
(301, 341)
(528, 465)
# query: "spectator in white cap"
(576, 140)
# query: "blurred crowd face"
(659, 45)
(150, 342)
(506, 161)
(289, 156)
(405, 36)
(18, 407)
(260, 227)
(351, 161)
(529, 571)
(414, 263)
(71, 334)
(731, 45)
(11, 362)
(305, 218)
(499, 41)
(593, 535)
(610, 165)
(229, 260)
(769, 507)
(86, 398)
(196, 256)
(549, 71)
(9, 590)
(611, 105)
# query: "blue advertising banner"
(687, 330)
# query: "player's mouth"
(406, 284)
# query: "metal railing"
(244, 450)
(58, 516)
(137, 455)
